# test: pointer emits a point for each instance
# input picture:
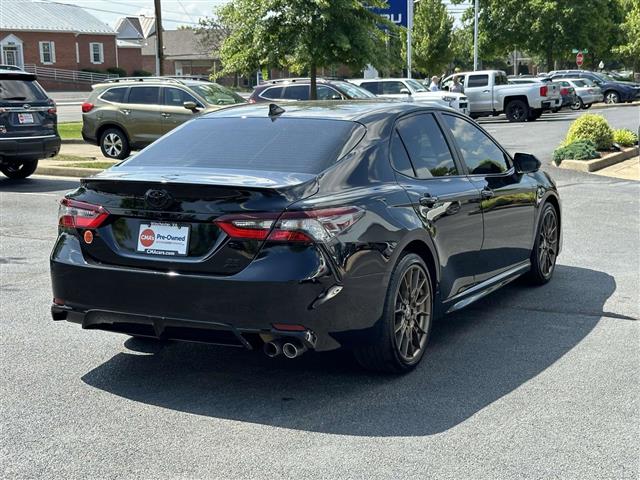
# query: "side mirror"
(190, 106)
(526, 163)
(405, 91)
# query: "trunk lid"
(25, 109)
(148, 207)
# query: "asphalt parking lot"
(528, 383)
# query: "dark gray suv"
(28, 123)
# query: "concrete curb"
(66, 171)
(614, 105)
(72, 141)
(600, 163)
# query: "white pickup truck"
(412, 90)
(489, 93)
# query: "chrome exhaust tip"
(272, 349)
(292, 350)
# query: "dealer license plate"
(25, 117)
(168, 239)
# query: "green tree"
(549, 29)
(431, 40)
(629, 48)
(302, 35)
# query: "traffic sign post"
(579, 59)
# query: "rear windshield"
(20, 91)
(300, 145)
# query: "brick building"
(54, 35)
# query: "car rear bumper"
(42, 146)
(233, 310)
(551, 103)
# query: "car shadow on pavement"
(475, 357)
(37, 184)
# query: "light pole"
(475, 35)
(409, 31)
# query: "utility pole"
(475, 35)
(159, 45)
(409, 32)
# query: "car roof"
(358, 111)
(153, 81)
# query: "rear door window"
(302, 145)
(20, 91)
(273, 93)
(144, 95)
(296, 92)
(373, 87)
(478, 81)
(116, 95)
(426, 146)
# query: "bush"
(625, 137)
(141, 73)
(591, 127)
(578, 150)
(121, 72)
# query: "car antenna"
(275, 110)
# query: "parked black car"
(28, 123)
(298, 89)
(305, 226)
(614, 91)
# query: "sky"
(174, 12)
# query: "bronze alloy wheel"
(548, 242)
(412, 313)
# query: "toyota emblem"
(159, 199)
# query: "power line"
(172, 20)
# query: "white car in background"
(412, 90)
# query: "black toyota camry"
(311, 226)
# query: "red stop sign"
(579, 59)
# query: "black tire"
(114, 144)
(405, 317)
(578, 104)
(534, 115)
(20, 170)
(611, 96)
(587, 106)
(545, 247)
(517, 111)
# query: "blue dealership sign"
(395, 12)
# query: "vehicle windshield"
(215, 94)
(354, 91)
(290, 145)
(415, 85)
(21, 91)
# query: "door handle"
(165, 115)
(428, 200)
(486, 91)
(486, 192)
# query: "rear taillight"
(543, 90)
(74, 214)
(87, 107)
(564, 91)
(301, 226)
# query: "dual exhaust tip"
(289, 348)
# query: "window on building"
(47, 53)
(97, 52)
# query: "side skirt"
(485, 288)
